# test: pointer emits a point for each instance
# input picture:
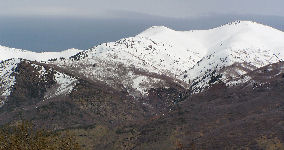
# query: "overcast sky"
(113, 8)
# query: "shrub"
(24, 136)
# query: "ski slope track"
(159, 57)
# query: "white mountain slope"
(197, 57)
(8, 53)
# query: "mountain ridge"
(8, 53)
(190, 58)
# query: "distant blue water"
(57, 34)
(52, 34)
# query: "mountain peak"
(246, 24)
(154, 30)
(241, 22)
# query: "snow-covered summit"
(236, 34)
(249, 45)
(155, 30)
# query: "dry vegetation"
(23, 136)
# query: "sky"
(112, 8)
(55, 25)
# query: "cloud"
(166, 8)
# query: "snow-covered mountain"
(161, 57)
(195, 57)
(197, 88)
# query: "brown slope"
(240, 117)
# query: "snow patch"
(65, 84)
(239, 81)
(7, 79)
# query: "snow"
(42, 71)
(143, 83)
(7, 79)
(65, 85)
(137, 84)
(239, 42)
(239, 81)
(8, 53)
(163, 50)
